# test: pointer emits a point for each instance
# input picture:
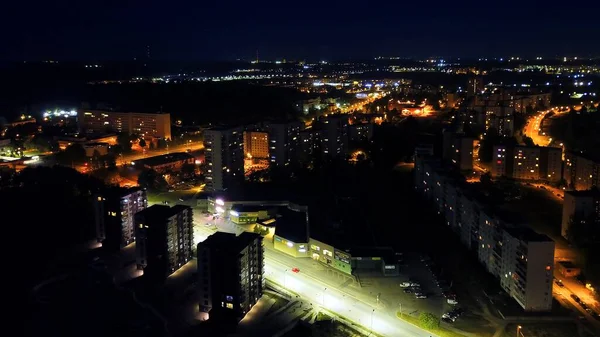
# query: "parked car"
(408, 291)
(576, 298)
(405, 284)
(295, 270)
(447, 319)
(420, 296)
(452, 301)
(559, 283)
(414, 284)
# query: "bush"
(429, 321)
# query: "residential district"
(384, 206)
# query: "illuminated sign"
(390, 267)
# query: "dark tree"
(142, 143)
(123, 143)
(73, 155)
(152, 180)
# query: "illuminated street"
(354, 308)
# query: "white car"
(414, 284)
(452, 301)
(405, 284)
(418, 295)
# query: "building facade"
(581, 171)
(230, 271)
(114, 211)
(157, 125)
(527, 163)
(284, 142)
(256, 144)
(224, 155)
(164, 239)
(521, 259)
(579, 206)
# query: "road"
(532, 129)
(369, 315)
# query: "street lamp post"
(400, 309)
(324, 297)
(372, 312)
(519, 330)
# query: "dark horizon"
(76, 31)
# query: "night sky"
(351, 29)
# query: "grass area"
(442, 332)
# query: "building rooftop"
(526, 234)
(248, 208)
(119, 192)
(292, 225)
(162, 211)
(229, 242)
(585, 193)
(163, 159)
(387, 254)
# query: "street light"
(519, 330)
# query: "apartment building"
(256, 145)
(164, 239)
(527, 267)
(230, 271)
(157, 125)
(114, 209)
(334, 136)
(360, 133)
(284, 142)
(581, 171)
(579, 206)
(458, 149)
(521, 259)
(224, 154)
(527, 163)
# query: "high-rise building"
(164, 239)
(334, 136)
(114, 209)
(360, 133)
(224, 153)
(284, 142)
(156, 125)
(458, 149)
(475, 85)
(527, 162)
(230, 271)
(581, 171)
(256, 144)
(527, 266)
(579, 206)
